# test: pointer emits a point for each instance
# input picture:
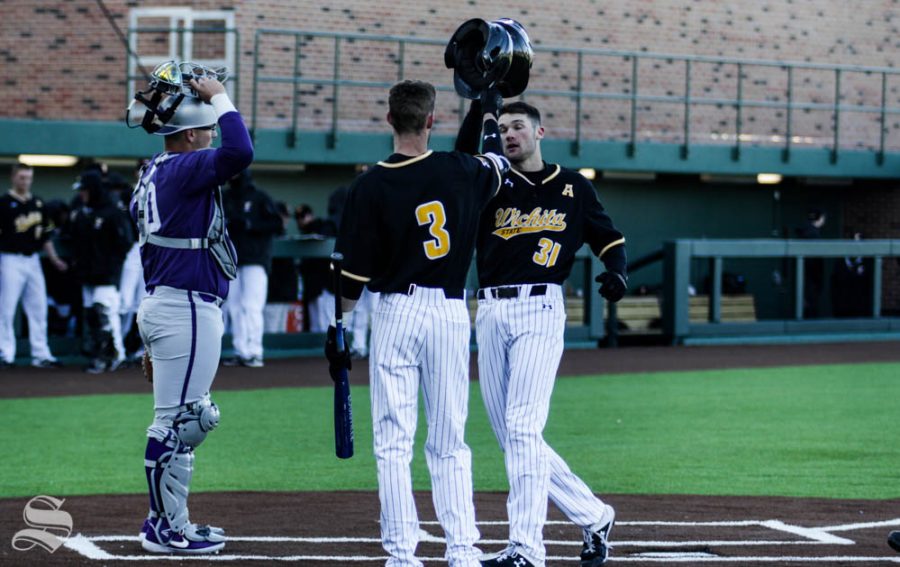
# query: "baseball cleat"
(894, 540)
(509, 557)
(193, 531)
(194, 540)
(595, 550)
(46, 363)
(252, 362)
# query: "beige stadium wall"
(63, 60)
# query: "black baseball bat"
(343, 410)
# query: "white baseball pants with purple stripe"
(422, 341)
(182, 330)
(520, 344)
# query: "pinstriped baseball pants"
(422, 340)
(520, 344)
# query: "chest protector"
(216, 240)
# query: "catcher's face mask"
(170, 105)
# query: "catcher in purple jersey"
(188, 262)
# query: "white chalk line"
(86, 546)
(428, 538)
(862, 526)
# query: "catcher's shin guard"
(169, 466)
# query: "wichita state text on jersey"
(415, 220)
(530, 232)
(23, 225)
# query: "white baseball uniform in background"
(21, 277)
(132, 288)
(245, 305)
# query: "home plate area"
(342, 528)
(659, 542)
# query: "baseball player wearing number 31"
(408, 232)
(527, 240)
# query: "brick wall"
(63, 60)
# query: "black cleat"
(509, 557)
(595, 550)
(894, 540)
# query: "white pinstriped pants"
(422, 340)
(520, 344)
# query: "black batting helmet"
(483, 54)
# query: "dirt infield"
(328, 529)
(339, 528)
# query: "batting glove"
(491, 101)
(337, 360)
(613, 285)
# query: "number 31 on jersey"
(432, 213)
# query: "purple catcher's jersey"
(181, 203)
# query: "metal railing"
(679, 255)
(633, 95)
(234, 75)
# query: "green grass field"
(801, 431)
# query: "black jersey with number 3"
(413, 220)
(23, 225)
(530, 232)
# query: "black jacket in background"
(100, 235)
(253, 222)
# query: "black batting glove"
(491, 101)
(613, 285)
(337, 360)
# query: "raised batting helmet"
(483, 54)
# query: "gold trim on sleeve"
(610, 245)
(362, 279)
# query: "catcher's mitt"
(147, 366)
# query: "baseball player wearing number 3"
(527, 240)
(408, 232)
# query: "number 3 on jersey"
(432, 213)
(547, 253)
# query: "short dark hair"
(301, 211)
(410, 103)
(17, 167)
(520, 107)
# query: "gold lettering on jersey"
(567, 191)
(512, 222)
(25, 222)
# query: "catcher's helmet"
(173, 105)
(483, 54)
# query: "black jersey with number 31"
(413, 220)
(530, 232)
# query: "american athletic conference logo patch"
(49, 525)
